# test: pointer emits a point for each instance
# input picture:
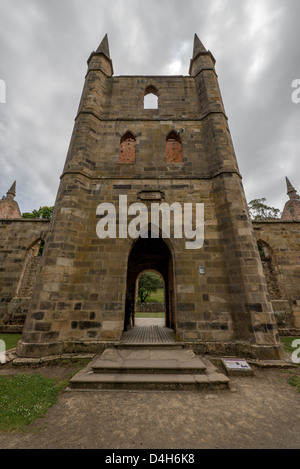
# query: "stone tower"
(124, 153)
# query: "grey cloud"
(43, 54)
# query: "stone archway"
(150, 254)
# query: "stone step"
(96, 381)
(149, 369)
(165, 345)
(148, 360)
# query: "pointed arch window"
(173, 148)
(151, 98)
(127, 148)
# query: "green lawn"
(157, 297)
(150, 315)
(24, 398)
(10, 340)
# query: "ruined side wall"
(16, 239)
(283, 238)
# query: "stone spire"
(100, 60)
(198, 46)
(202, 58)
(291, 191)
(104, 47)
(291, 211)
(11, 194)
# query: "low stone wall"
(150, 307)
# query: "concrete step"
(148, 369)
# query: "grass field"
(24, 398)
(10, 340)
(150, 315)
(157, 297)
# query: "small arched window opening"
(151, 98)
(127, 148)
(173, 148)
(42, 245)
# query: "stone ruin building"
(231, 296)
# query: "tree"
(42, 212)
(149, 282)
(260, 211)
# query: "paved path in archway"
(150, 322)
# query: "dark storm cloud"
(44, 46)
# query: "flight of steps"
(149, 367)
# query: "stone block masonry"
(19, 265)
(180, 152)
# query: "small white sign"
(237, 364)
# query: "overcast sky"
(45, 44)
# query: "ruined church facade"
(177, 151)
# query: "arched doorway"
(150, 254)
(150, 299)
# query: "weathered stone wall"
(283, 240)
(150, 307)
(17, 240)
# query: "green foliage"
(260, 211)
(42, 212)
(148, 282)
(24, 398)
